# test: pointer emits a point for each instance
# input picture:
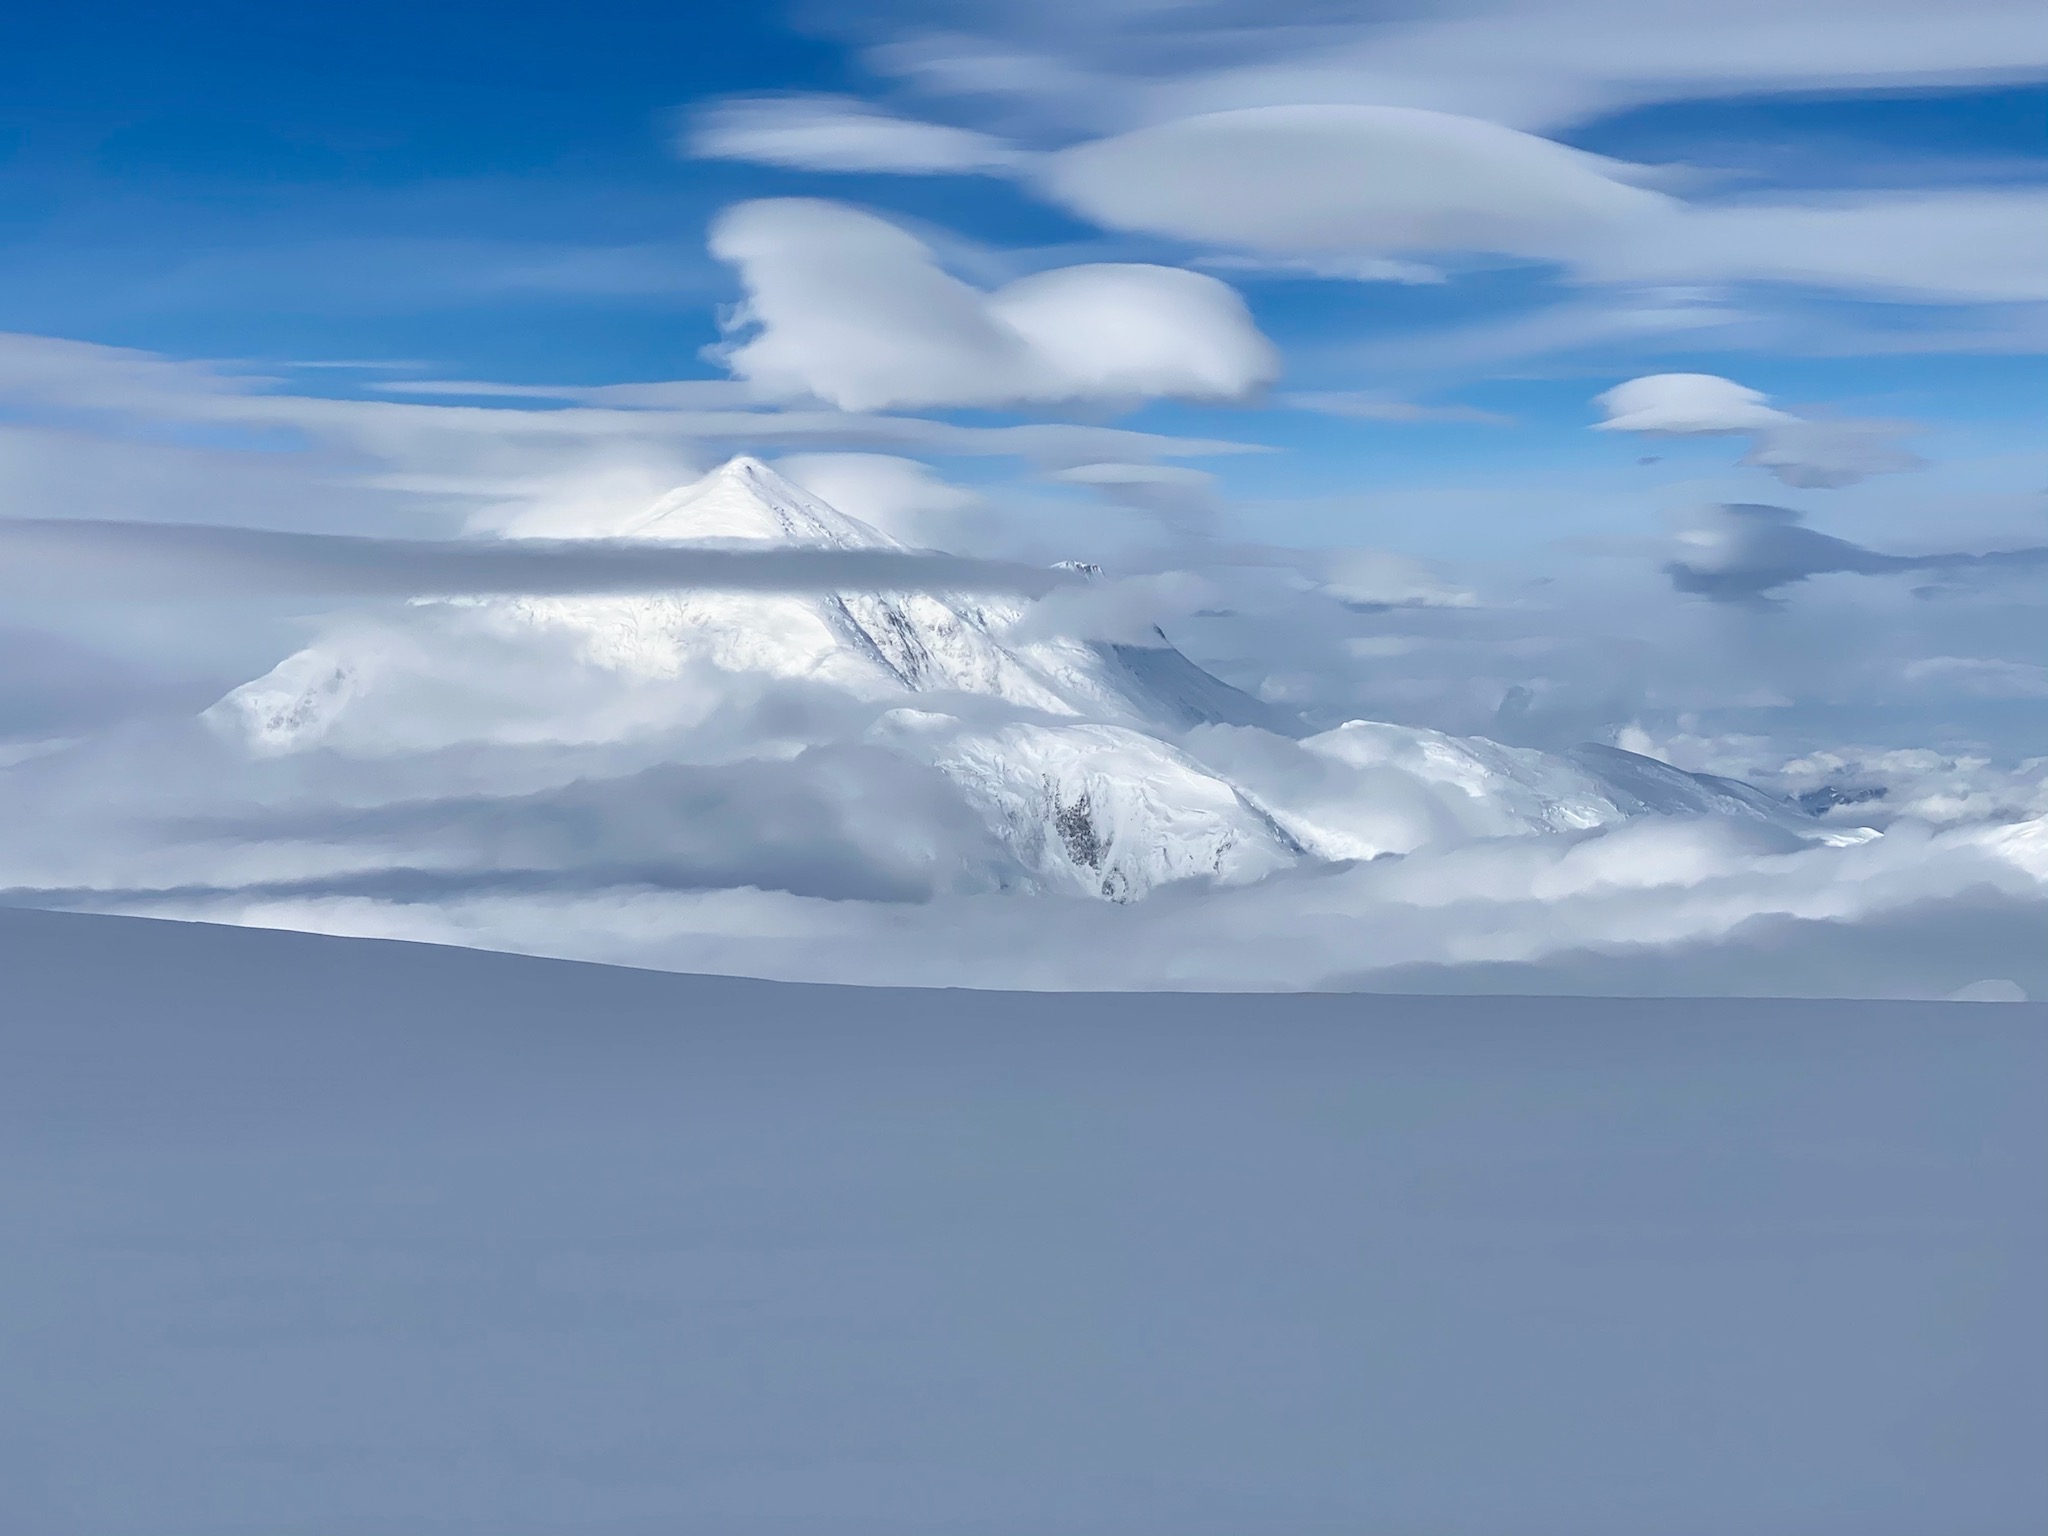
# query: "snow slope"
(352, 1238)
(1367, 789)
(1103, 769)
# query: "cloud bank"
(515, 793)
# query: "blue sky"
(492, 190)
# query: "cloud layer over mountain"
(796, 778)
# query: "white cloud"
(900, 496)
(1127, 610)
(851, 309)
(1341, 191)
(1376, 578)
(1397, 144)
(1113, 330)
(1351, 181)
(837, 133)
(100, 431)
(441, 459)
(1359, 405)
(1686, 404)
(1810, 455)
(1614, 322)
(1326, 144)
(1339, 268)
(1186, 497)
(1695, 904)
(1988, 245)
(1874, 784)
(1821, 455)
(1533, 63)
(1554, 61)
(48, 559)
(1984, 677)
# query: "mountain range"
(1033, 762)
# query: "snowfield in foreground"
(348, 1238)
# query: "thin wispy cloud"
(82, 558)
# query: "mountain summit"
(744, 500)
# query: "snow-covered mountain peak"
(744, 500)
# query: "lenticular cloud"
(1309, 180)
(851, 309)
(1809, 455)
(1687, 404)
